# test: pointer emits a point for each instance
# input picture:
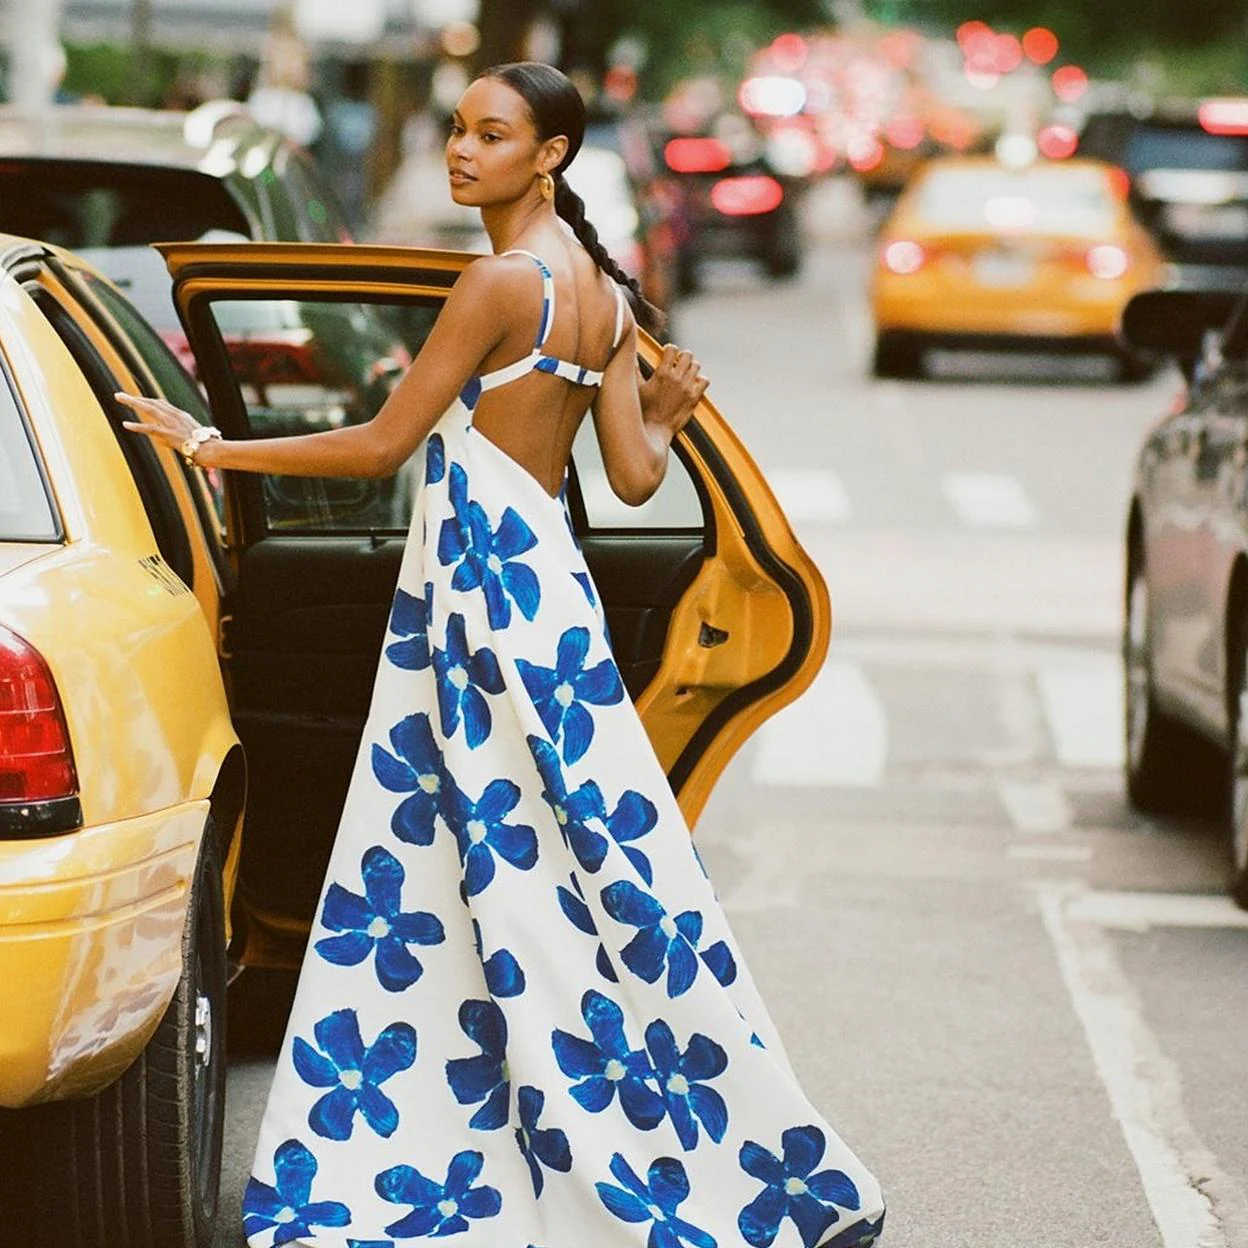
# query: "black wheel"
(1132, 368)
(1237, 803)
(688, 277)
(897, 355)
(1167, 766)
(139, 1164)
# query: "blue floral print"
(439, 1209)
(462, 675)
(793, 1189)
(353, 1073)
(377, 921)
(572, 810)
(633, 817)
(409, 620)
(582, 579)
(561, 693)
(661, 941)
(608, 1064)
(654, 1201)
(720, 962)
(682, 1083)
(435, 459)
(287, 1207)
(572, 903)
(540, 1146)
(416, 767)
(504, 976)
(481, 833)
(483, 1078)
(488, 560)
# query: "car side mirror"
(1177, 323)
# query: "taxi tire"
(139, 1164)
(1237, 767)
(899, 356)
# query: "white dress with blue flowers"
(522, 1020)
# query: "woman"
(522, 1019)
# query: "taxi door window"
(305, 366)
(674, 506)
(145, 470)
(26, 515)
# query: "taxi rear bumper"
(91, 930)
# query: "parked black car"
(732, 202)
(1185, 643)
(1187, 165)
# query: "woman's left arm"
(470, 325)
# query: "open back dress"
(522, 1020)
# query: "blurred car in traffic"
(733, 202)
(108, 182)
(1188, 170)
(977, 254)
(171, 640)
(1185, 642)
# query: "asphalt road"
(1020, 1002)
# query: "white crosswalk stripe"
(810, 495)
(835, 735)
(990, 500)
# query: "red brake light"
(1224, 116)
(697, 155)
(748, 196)
(903, 257)
(36, 761)
(274, 357)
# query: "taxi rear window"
(1037, 200)
(26, 513)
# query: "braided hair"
(557, 109)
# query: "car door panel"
(714, 627)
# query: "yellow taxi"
(978, 253)
(176, 646)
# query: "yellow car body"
(202, 652)
(92, 908)
(978, 254)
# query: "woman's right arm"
(471, 324)
(636, 422)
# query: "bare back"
(535, 417)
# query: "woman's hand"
(165, 423)
(673, 390)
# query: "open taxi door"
(718, 617)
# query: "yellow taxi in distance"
(980, 254)
(177, 646)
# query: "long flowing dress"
(522, 1021)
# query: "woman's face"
(492, 152)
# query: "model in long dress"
(522, 1020)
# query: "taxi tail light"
(36, 760)
(697, 155)
(1107, 261)
(749, 196)
(903, 257)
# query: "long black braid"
(557, 109)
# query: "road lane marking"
(1083, 704)
(1190, 1197)
(1140, 911)
(990, 500)
(1049, 853)
(1037, 806)
(812, 495)
(836, 734)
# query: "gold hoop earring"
(546, 184)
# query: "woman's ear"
(551, 154)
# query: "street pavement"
(1019, 1001)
